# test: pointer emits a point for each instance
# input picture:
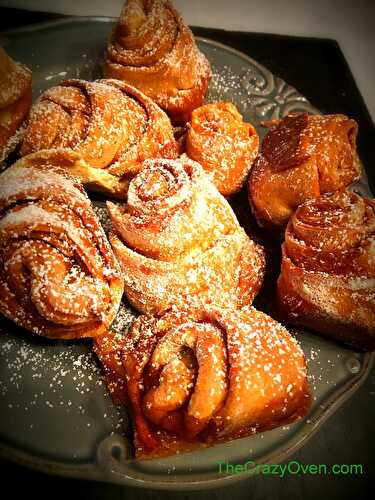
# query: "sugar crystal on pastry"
(15, 102)
(225, 145)
(179, 241)
(109, 126)
(58, 275)
(302, 157)
(327, 279)
(192, 382)
(152, 48)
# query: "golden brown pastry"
(302, 157)
(327, 279)
(179, 241)
(109, 347)
(111, 126)
(223, 144)
(15, 101)
(192, 383)
(58, 275)
(153, 49)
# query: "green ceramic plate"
(56, 413)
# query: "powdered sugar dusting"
(55, 383)
(198, 253)
(110, 125)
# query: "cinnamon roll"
(223, 144)
(302, 157)
(111, 126)
(327, 280)
(153, 49)
(179, 241)
(15, 102)
(192, 383)
(58, 275)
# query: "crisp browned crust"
(302, 157)
(111, 126)
(192, 381)
(15, 102)
(223, 144)
(58, 275)
(179, 241)
(153, 49)
(327, 279)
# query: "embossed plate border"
(272, 98)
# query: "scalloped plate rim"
(91, 471)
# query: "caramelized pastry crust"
(194, 382)
(58, 275)
(15, 101)
(223, 144)
(327, 279)
(179, 241)
(302, 157)
(153, 49)
(109, 347)
(111, 126)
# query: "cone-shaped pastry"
(153, 49)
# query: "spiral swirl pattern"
(58, 275)
(223, 144)
(110, 125)
(179, 241)
(327, 279)
(153, 49)
(303, 156)
(229, 374)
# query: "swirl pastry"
(193, 383)
(327, 279)
(302, 157)
(15, 101)
(58, 275)
(153, 49)
(179, 241)
(223, 144)
(111, 126)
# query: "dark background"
(317, 68)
